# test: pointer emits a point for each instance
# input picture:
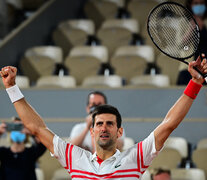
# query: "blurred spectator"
(160, 174)
(199, 10)
(18, 161)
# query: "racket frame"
(197, 28)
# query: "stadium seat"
(48, 164)
(112, 81)
(56, 81)
(140, 9)
(39, 174)
(61, 174)
(199, 156)
(72, 33)
(157, 80)
(84, 61)
(21, 81)
(40, 61)
(53, 52)
(101, 10)
(174, 150)
(202, 143)
(169, 67)
(187, 174)
(129, 61)
(117, 32)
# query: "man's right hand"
(8, 75)
(89, 121)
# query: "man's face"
(163, 176)
(95, 100)
(105, 131)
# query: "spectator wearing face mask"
(199, 11)
(18, 161)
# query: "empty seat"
(112, 81)
(157, 80)
(202, 143)
(140, 9)
(56, 81)
(39, 174)
(174, 150)
(169, 67)
(101, 10)
(48, 164)
(117, 32)
(129, 61)
(40, 61)
(199, 157)
(188, 174)
(21, 81)
(61, 174)
(73, 33)
(84, 61)
(53, 52)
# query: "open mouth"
(104, 136)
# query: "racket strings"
(174, 31)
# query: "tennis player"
(107, 162)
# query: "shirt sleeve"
(66, 153)
(149, 150)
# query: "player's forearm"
(179, 110)
(29, 116)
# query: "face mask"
(199, 9)
(17, 136)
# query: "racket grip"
(199, 71)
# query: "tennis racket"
(174, 31)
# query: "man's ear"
(120, 132)
(92, 132)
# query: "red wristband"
(192, 89)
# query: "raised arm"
(179, 110)
(27, 114)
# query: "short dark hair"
(104, 109)
(98, 93)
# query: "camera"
(14, 126)
(92, 109)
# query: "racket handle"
(199, 71)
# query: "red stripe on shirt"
(142, 158)
(138, 160)
(71, 148)
(66, 156)
(116, 176)
(109, 174)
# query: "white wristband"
(14, 93)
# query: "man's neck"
(105, 154)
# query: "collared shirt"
(130, 164)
